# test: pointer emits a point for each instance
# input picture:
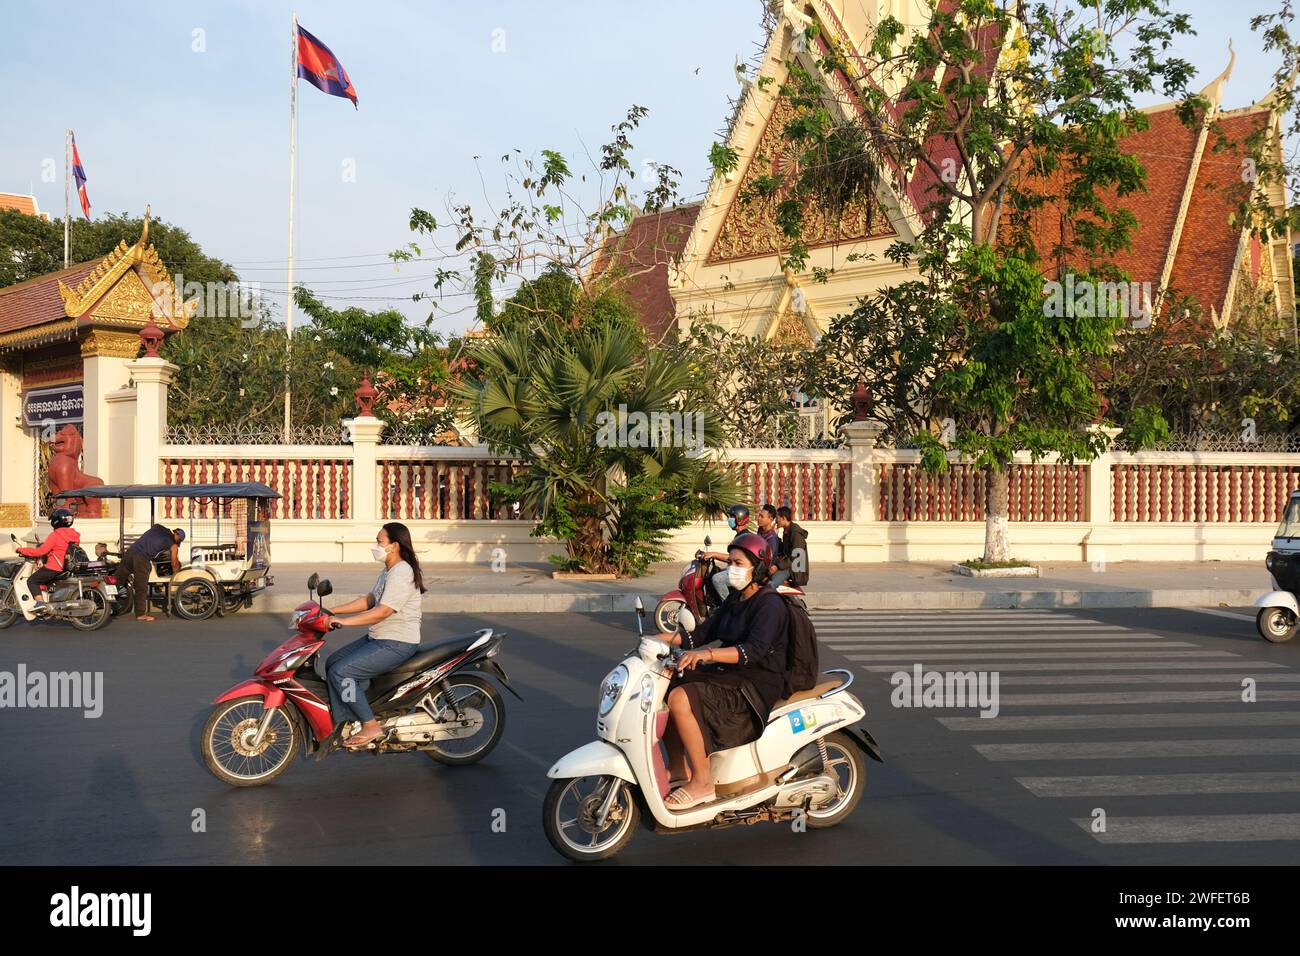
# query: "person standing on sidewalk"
(155, 542)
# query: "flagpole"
(293, 147)
(67, 178)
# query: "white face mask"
(738, 576)
(379, 554)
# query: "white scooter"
(85, 603)
(807, 764)
(1279, 613)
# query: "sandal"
(353, 743)
(149, 618)
(680, 800)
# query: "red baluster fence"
(312, 488)
(1039, 492)
(1200, 491)
(415, 489)
(815, 489)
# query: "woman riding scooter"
(722, 696)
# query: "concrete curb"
(596, 602)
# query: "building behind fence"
(862, 502)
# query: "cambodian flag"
(79, 174)
(322, 69)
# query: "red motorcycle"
(430, 703)
(695, 592)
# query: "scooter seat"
(809, 694)
(433, 653)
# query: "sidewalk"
(530, 588)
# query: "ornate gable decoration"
(750, 229)
(792, 329)
(125, 288)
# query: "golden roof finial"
(144, 234)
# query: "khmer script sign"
(43, 406)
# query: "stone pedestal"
(866, 540)
(364, 432)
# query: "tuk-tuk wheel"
(197, 599)
(1276, 624)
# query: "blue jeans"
(350, 669)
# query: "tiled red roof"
(37, 301)
(1207, 249)
(1208, 239)
(638, 259)
(24, 204)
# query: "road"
(1137, 713)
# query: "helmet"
(737, 517)
(61, 518)
(179, 533)
(759, 554)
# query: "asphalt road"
(1133, 712)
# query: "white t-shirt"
(396, 589)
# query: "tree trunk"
(996, 510)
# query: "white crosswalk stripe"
(1061, 673)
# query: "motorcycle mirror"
(640, 608)
(312, 582)
(324, 588)
(686, 619)
(708, 541)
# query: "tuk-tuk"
(1278, 610)
(228, 535)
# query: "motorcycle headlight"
(612, 688)
(1268, 562)
(647, 693)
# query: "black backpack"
(801, 668)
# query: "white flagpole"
(293, 147)
(67, 180)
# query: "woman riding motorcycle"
(55, 552)
(721, 696)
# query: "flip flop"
(353, 744)
(147, 618)
(679, 800)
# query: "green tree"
(1003, 107)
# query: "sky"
(184, 105)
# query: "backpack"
(801, 668)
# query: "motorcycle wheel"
(666, 615)
(847, 764)
(479, 694)
(103, 613)
(8, 610)
(197, 600)
(1275, 624)
(227, 737)
(568, 817)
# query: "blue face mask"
(731, 522)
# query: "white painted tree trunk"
(996, 508)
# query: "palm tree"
(547, 395)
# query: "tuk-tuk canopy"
(239, 489)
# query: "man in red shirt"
(54, 550)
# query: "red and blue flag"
(322, 69)
(79, 174)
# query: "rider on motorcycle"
(55, 552)
(737, 521)
(721, 696)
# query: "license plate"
(110, 590)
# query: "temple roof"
(641, 255)
(22, 203)
(121, 290)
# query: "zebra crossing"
(1074, 691)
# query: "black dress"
(731, 702)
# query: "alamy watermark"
(946, 689)
(217, 300)
(624, 429)
(1083, 298)
(79, 690)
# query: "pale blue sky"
(203, 136)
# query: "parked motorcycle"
(809, 761)
(1278, 610)
(84, 601)
(432, 703)
(695, 592)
